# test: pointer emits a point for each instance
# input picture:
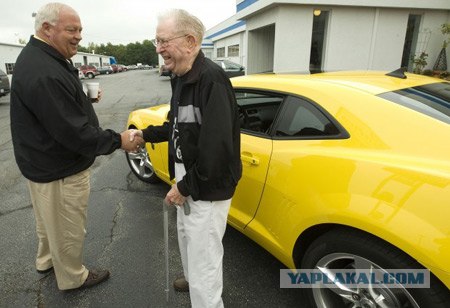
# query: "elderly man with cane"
(204, 153)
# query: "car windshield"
(431, 99)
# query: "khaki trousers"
(60, 209)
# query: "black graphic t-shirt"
(174, 144)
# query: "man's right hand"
(134, 133)
(131, 142)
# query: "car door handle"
(249, 158)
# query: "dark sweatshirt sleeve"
(156, 134)
(65, 117)
(215, 144)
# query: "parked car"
(163, 71)
(344, 170)
(80, 74)
(105, 70)
(4, 84)
(231, 69)
(115, 68)
(90, 71)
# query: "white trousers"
(200, 240)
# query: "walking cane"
(166, 245)
(187, 211)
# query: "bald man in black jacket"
(56, 137)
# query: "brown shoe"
(48, 270)
(95, 277)
(181, 285)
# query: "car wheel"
(90, 75)
(350, 250)
(141, 166)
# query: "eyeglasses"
(164, 43)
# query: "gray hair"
(48, 13)
(185, 23)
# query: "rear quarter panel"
(391, 178)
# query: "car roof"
(372, 82)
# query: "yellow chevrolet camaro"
(347, 170)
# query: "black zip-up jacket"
(55, 130)
(209, 133)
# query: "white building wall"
(260, 50)
(361, 34)
(387, 41)
(83, 58)
(432, 38)
(9, 54)
(293, 31)
(236, 35)
(243, 51)
(229, 41)
(348, 39)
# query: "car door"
(257, 111)
(302, 171)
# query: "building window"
(320, 21)
(9, 68)
(409, 47)
(221, 52)
(233, 51)
(77, 64)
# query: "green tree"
(132, 53)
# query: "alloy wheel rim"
(140, 162)
(360, 297)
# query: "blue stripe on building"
(232, 27)
(245, 4)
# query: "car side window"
(300, 118)
(232, 66)
(257, 111)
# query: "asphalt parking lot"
(125, 227)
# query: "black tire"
(90, 75)
(343, 248)
(141, 166)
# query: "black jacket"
(209, 133)
(55, 130)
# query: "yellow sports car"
(345, 170)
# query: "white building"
(10, 52)
(286, 36)
(326, 35)
(8, 56)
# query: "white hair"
(48, 13)
(185, 23)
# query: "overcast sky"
(115, 21)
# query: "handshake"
(132, 140)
